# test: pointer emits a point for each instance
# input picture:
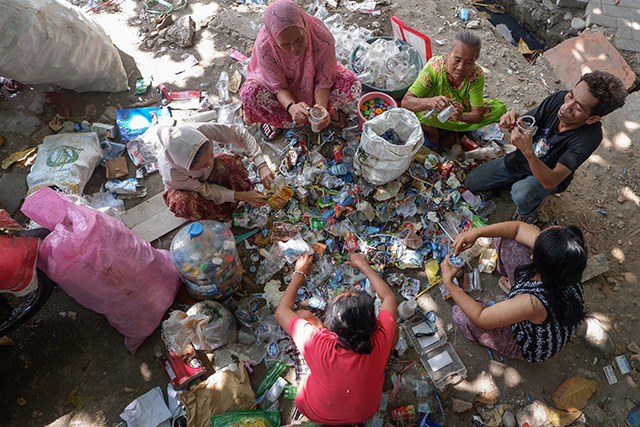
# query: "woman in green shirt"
(454, 79)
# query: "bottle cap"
(195, 230)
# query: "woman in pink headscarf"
(293, 68)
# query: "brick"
(593, 6)
(603, 20)
(624, 29)
(633, 4)
(620, 12)
(631, 45)
(577, 4)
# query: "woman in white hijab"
(204, 185)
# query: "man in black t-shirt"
(568, 131)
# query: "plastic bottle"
(223, 86)
(486, 208)
(205, 116)
(460, 259)
(407, 308)
(317, 114)
(273, 373)
(272, 395)
(480, 245)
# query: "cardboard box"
(116, 167)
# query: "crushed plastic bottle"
(223, 86)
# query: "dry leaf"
(17, 157)
(21, 401)
(560, 418)
(68, 399)
(487, 398)
(573, 394)
(2, 141)
(6, 341)
(523, 48)
(493, 418)
(235, 81)
(59, 103)
(77, 401)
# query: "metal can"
(337, 153)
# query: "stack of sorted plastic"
(384, 64)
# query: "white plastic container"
(407, 309)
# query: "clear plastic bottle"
(486, 208)
(205, 116)
(223, 86)
(272, 395)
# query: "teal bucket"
(396, 93)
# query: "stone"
(473, 24)
(634, 361)
(508, 419)
(594, 336)
(236, 22)
(182, 31)
(578, 24)
(596, 265)
(594, 414)
(535, 414)
(459, 406)
(597, 53)
(633, 347)
(549, 5)
(567, 16)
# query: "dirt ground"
(54, 353)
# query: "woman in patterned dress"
(293, 67)
(544, 305)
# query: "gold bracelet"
(301, 272)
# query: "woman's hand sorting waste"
(305, 263)
(358, 261)
(254, 198)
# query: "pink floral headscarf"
(303, 75)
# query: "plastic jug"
(205, 255)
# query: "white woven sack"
(377, 160)
(54, 42)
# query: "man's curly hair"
(607, 88)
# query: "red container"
(337, 153)
(182, 368)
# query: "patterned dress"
(432, 81)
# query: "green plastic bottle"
(290, 392)
(274, 371)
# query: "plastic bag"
(294, 248)
(207, 325)
(103, 265)
(247, 418)
(66, 161)
(379, 161)
(52, 41)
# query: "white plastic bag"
(52, 41)
(207, 325)
(379, 161)
(66, 161)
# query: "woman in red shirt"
(347, 357)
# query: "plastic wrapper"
(273, 262)
(294, 248)
(487, 260)
(247, 418)
(272, 293)
(207, 325)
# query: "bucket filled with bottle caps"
(372, 104)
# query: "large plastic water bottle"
(205, 255)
